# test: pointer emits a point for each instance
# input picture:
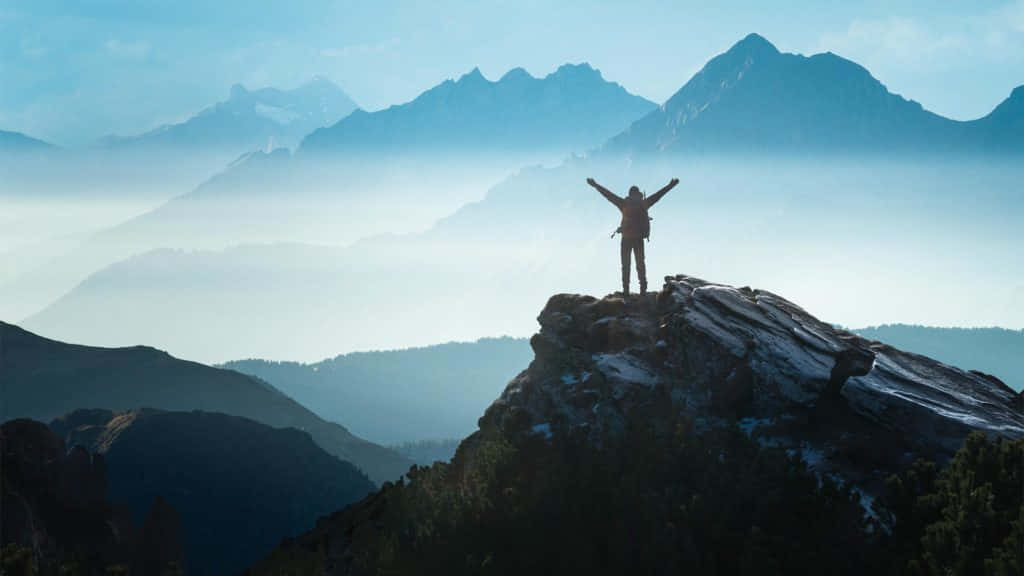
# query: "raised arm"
(657, 195)
(611, 196)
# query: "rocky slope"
(44, 379)
(649, 388)
(854, 407)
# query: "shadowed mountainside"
(44, 379)
(238, 486)
(57, 518)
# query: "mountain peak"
(582, 70)
(237, 91)
(754, 43)
(473, 75)
(1017, 94)
(517, 73)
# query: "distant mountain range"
(398, 396)
(18, 143)
(755, 99)
(238, 486)
(44, 379)
(249, 120)
(536, 232)
(995, 351)
(569, 110)
(337, 196)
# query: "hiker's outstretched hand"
(592, 182)
(673, 182)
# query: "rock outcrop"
(852, 407)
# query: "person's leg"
(641, 265)
(625, 247)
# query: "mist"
(857, 241)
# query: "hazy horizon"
(456, 215)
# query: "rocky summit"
(719, 354)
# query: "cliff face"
(707, 429)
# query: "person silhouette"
(635, 227)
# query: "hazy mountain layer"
(238, 486)
(52, 195)
(44, 379)
(344, 193)
(825, 233)
(996, 351)
(400, 396)
(250, 120)
(569, 110)
(18, 143)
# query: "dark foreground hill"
(44, 379)
(711, 430)
(57, 519)
(238, 486)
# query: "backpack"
(642, 219)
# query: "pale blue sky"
(73, 71)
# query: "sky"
(71, 72)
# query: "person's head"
(634, 193)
